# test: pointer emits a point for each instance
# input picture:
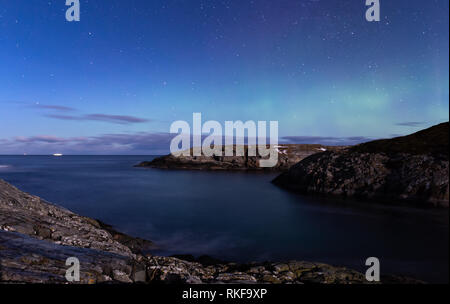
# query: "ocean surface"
(236, 216)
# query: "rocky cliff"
(37, 237)
(411, 169)
(287, 156)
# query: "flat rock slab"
(25, 259)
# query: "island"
(288, 155)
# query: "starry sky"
(115, 81)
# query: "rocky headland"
(37, 237)
(288, 155)
(411, 169)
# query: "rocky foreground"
(410, 169)
(37, 237)
(288, 155)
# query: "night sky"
(115, 81)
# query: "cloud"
(141, 143)
(40, 138)
(121, 119)
(324, 140)
(116, 119)
(64, 117)
(46, 139)
(410, 124)
(53, 107)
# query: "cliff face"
(36, 238)
(411, 169)
(288, 155)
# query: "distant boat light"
(57, 154)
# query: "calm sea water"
(236, 216)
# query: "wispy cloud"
(116, 119)
(324, 140)
(46, 139)
(410, 124)
(140, 143)
(134, 143)
(120, 119)
(53, 107)
(63, 117)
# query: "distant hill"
(412, 169)
(433, 141)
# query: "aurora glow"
(131, 68)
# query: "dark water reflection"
(236, 216)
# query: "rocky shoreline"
(411, 169)
(288, 155)
(37, 237)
